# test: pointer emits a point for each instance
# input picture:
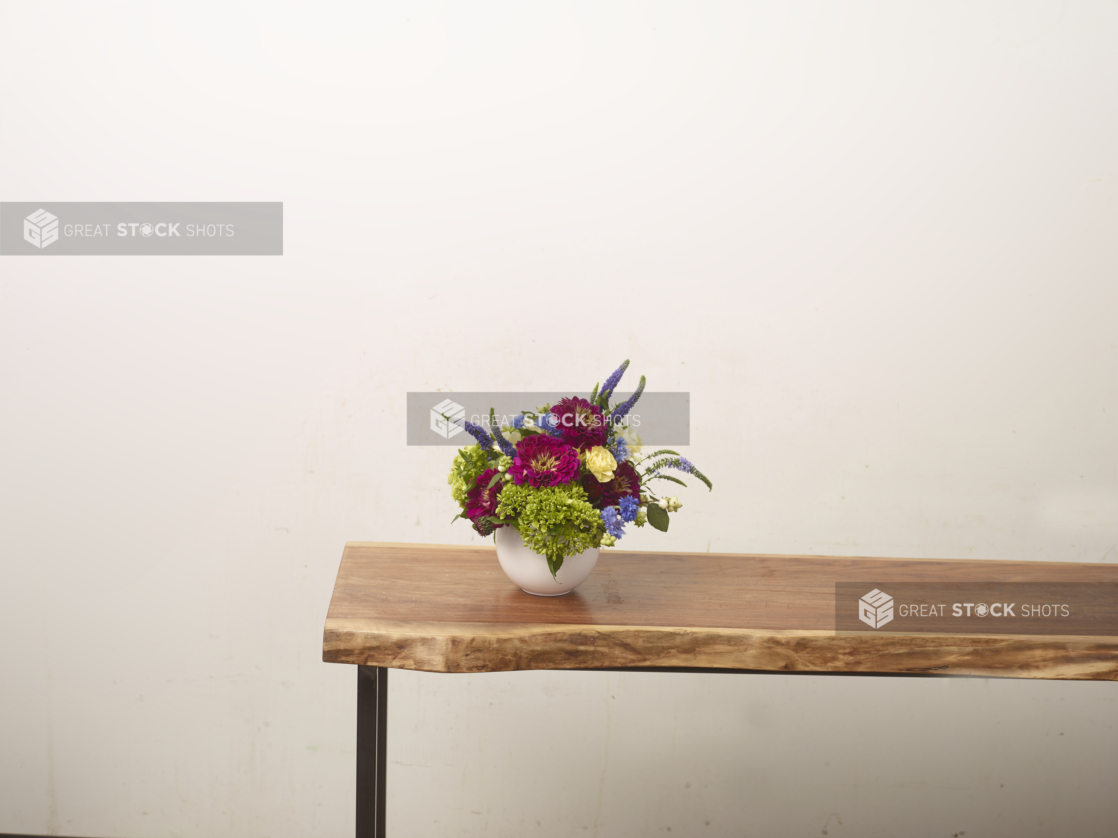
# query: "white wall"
(875, 241)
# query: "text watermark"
(1060, 608)
(438, 418)
(141, 229)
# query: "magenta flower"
(482, 501)
(544, 461)
(579, 423)
(626, 483)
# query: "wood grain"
(451, 609)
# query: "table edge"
(820, 556)
(508, 647)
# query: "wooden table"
(451, 609)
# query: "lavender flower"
(629, 507)
(479, 433)
(506, 447)
(612, 520)
(613, 381)
(680, 463)
(622, 410)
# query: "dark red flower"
(579, 423)
(595, 490)
(544, 461)
(625, 481)
(481, 501)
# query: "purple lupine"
(506, 447)
(613, 381)
(622, 410)
(679, 463)
(479, 433)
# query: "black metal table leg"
(372, 724)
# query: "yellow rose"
(601, 463)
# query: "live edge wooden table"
(451, 609)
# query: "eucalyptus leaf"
(658, 517)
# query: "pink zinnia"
(544, 461)
(579, 423)
(481, 500)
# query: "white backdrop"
(875, 241)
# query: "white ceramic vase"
(528, 569)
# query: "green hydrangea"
(468, 464)
(556, 521)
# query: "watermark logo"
(40, 228)
(875, 609)
(141, 228)
(982, 607)
(447, 418)
(434, 419)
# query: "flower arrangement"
(567, 476)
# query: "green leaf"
(456, 517)
(493, 480)
(660, 452)
(553, 565)
(658, 517)
(668, 477)
(594, 395)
